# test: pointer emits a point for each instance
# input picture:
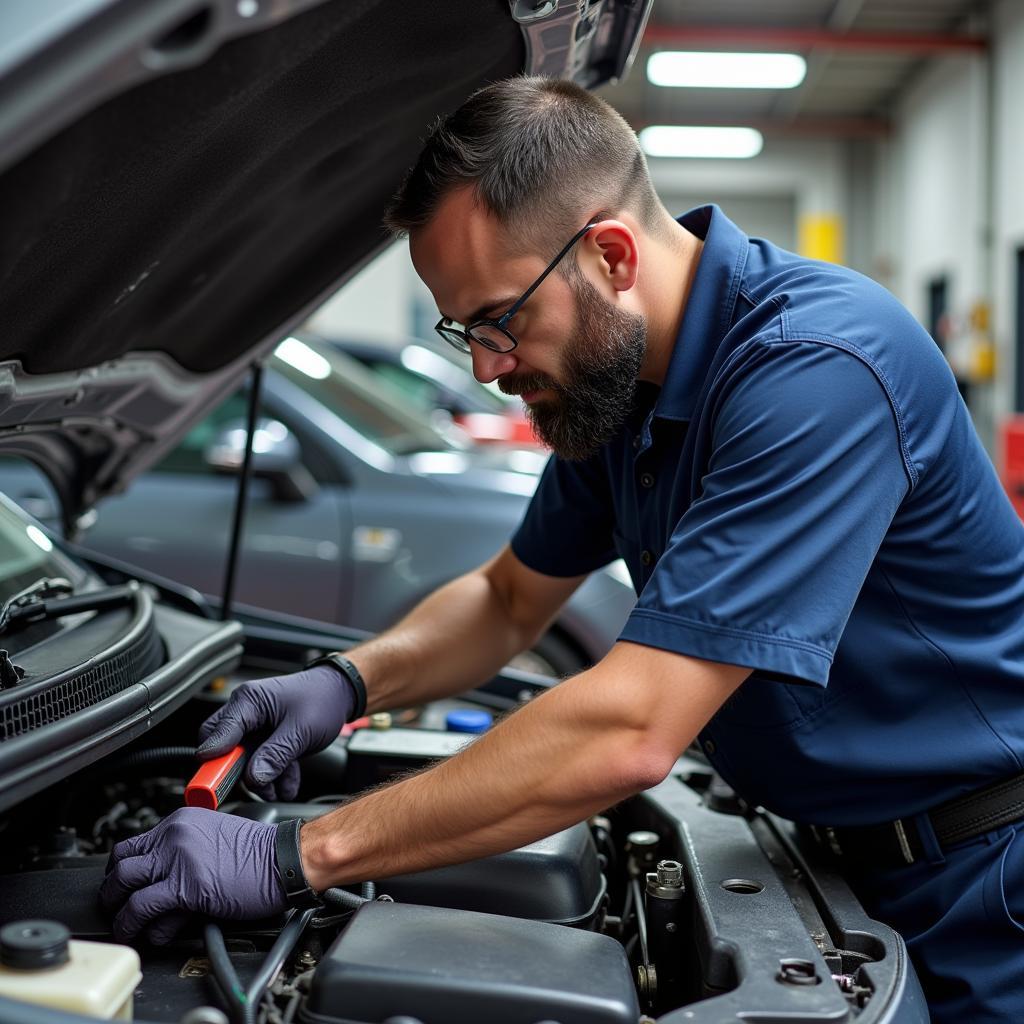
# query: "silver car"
(360, 508)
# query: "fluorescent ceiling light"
(701, 70)
(694, 141)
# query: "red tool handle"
(212, 783)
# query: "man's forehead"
(465, 256)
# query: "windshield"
(26, 555)
(350, 390)
(423, 364)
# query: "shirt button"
(646, 557)
(709, 747)
(647, 479)
(636, 442)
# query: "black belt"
(899, 842)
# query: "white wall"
(1008, 112)
(879, 212)
(951, 199)
(379, 303)
(941, 168)
(929, 210)
(772, 216)
(813, 171)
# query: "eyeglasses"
(494, 333)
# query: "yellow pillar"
(820, 237)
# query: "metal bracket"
(10, 674)
(589, 42)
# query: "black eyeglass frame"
(460, 339)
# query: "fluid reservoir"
(40, 963)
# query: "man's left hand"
(194, 862)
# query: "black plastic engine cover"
(557, 879)
(457, 967)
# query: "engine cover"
(458, 967)
(557, 879)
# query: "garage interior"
(898, 154)
(204, 528)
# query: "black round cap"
(33, 945)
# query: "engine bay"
(679, 904)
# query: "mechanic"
(830, 577)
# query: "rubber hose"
(279, 952)
(226, 976)
(337, 897)
(137, 757)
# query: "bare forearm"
(462, 634)
(453, 640)
(558, 760)
(582, 746)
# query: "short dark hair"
(542, 154)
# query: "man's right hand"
(294, 715)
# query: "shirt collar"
(709, 309)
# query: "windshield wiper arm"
(47, 586)
(31, 605)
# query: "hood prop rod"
(238, 524)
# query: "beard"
(599, 369)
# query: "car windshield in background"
(343, 386)
(26, 555)
(420, 363)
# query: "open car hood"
(183, 181)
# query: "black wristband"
(297, 889)
(351, 673)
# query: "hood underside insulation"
(198, 211)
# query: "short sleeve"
(805, 475)
(567, 528)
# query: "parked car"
(179, 182)
(434, 381)
(359, 508)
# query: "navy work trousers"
(962, 916)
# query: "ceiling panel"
(841, 83)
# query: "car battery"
(377, 755)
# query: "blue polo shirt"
(806, 496)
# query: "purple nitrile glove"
(303, 714)
(194, 862)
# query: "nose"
(488, 365)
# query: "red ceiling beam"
(717, 36)
(842, 127)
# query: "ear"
(619, 251)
